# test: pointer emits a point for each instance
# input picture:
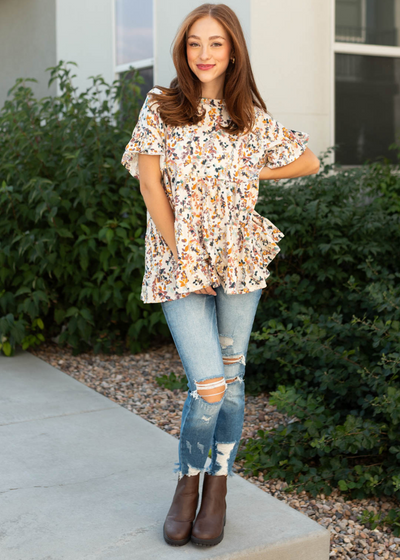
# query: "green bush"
(373, 520)
(72, 220)
(173, 381)
(328, 334)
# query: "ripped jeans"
(211, 335)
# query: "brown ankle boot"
(179, 521)
(208, 529)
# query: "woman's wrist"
(268, 174)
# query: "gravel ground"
(130, 380)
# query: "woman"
(204, 143)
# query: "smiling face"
(208, 51)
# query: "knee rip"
(212, 390)
(236, 359)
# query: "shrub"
(328, 334)
(373, 520)
(72, 219)
(173, 381)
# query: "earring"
(233, 60)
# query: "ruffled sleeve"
(282, 145)
(147, 136)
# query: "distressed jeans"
(211, 335)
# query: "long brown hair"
(178, 104)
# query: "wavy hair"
(178, 104)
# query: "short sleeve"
(282, 145)
(147, 136)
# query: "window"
(367, 107)
(134, 39)
(134, 31)
(350, 21)
(373, 22)
(367, 80)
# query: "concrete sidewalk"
(82, 478)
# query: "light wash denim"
(206, 330)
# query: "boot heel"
(207, 542)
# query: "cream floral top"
(211, 179)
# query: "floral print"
(211, 179)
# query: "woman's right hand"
(207, 290)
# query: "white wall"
(293, 64)
(27, 44)
(85, 35)
(168, 15)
